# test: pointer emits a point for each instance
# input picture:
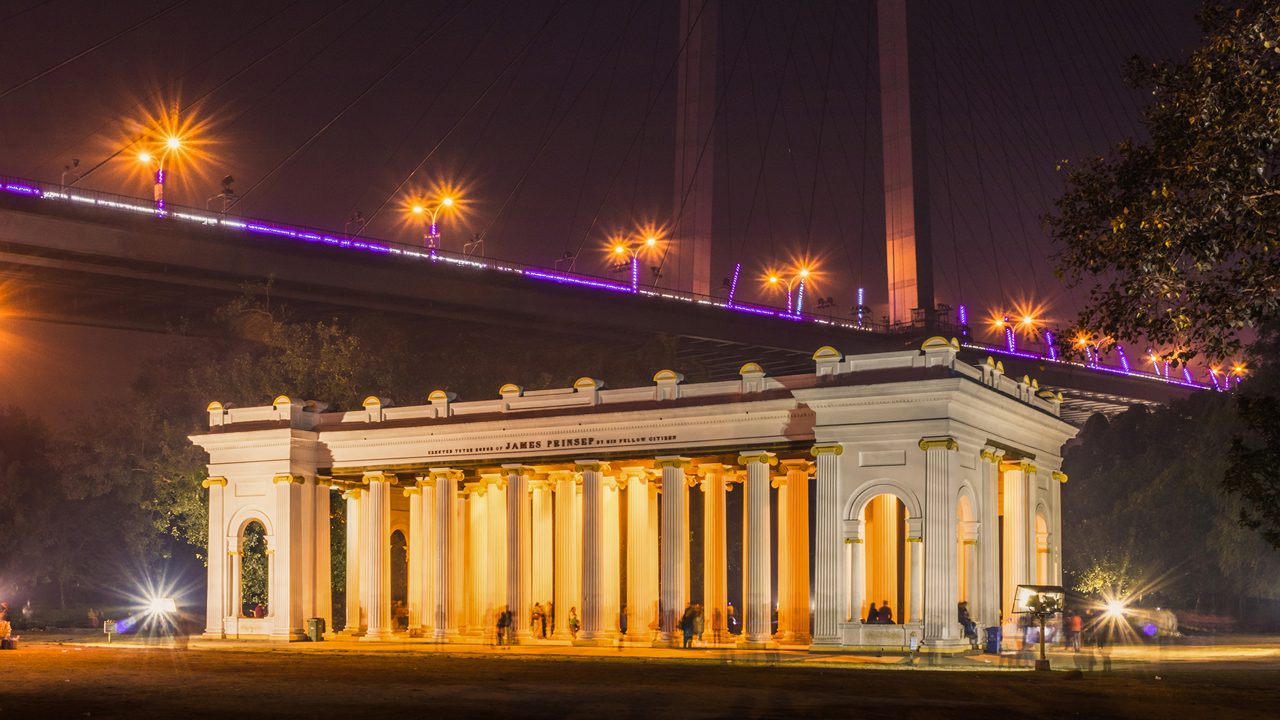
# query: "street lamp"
(171, 144)
(623, 249)
(778, 281)
(432, 238)
(1040, 602)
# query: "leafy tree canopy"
(1178, 234)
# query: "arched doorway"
(886, 559)
(399, 581)
(255, 571)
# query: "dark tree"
(1178, 234)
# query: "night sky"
(555, 119)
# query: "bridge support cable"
(141, 107)
(640, 132)
(421, 40)
(246, 68)
(553, 121)
(483, 93)
(106, 41)
(706, 141)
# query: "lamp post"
(432, 237)
(776, 280)
(171, 144)
(631, 251)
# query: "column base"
(757, 645)
(378, 636)
(444, 636)
(214, 635)
(289, 636)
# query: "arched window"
(254, 570)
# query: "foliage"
(1146, 490)
(1107, 575)
(253, 566)
(1178, 233)
(1253, 470)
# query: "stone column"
(215, 608)
(759, 601)
(235, 598)
(969, 546)
(797, 545)
(673, 585)
(715, 561)
(640, 612)
(940, 625)
(446, 500)
(519, 557)
(543, 517)
(826, 567)
(475, 571)
(427, 560)
(306, 559)
(565, 596)
(1016, 537)
(915, 538)
(285, 597)
(987, 610)
(354, 573)
(379, 538)
(415, 550)
(323, 578)
(592, 550)
(612, 545)
(496, 523)
(856, 541)
(782, 555)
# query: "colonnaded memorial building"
(789, 503)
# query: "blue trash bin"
(993, 641)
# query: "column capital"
(1028, 467)
(704, 469)
(498, 480)
(286, 478)
(517, 469)
(829, 449)
(797, 465)
(969, 531)
(219, 481)
(475, 488)
(352, 493)
(444, 474)
(380, 476)
(992, 455)
(1059, 476)
(596, 465)
(944, 442)
(412, 490)
(557, 476)
(672, 461)
(634, 472)
(757, 456)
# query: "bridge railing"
(78, 197)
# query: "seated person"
(873, 615)
(886, 613)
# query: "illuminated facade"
(909, 477)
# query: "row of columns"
(508, 520)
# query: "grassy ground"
(45, 679)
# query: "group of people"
(882, 615)
(692, 624)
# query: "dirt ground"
(50, 680)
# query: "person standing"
(1075, 628)
(574, 623)
(873, 614)
(699, 622)
(686, 626)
